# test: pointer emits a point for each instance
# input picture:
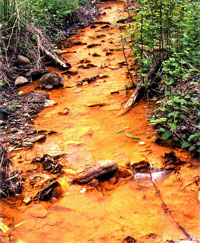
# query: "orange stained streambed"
(93, 130)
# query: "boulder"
(23, 60)
(21, 80)
(51, 80)
(49, 103)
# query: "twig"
(197, 179)
(44, 45)
(133, 97)
(126, 60)
(12, 177)
(15, 23)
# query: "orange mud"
(89, 134)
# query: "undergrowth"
(31, 28)
(164, 36)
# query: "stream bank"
(94, 129)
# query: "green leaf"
(131, 136)
(179, 92)
(118, 132)
(124, 41)
(195, 101)
(193, 136)
(17, 225)
(166, 135)
(4, 227)
(169, 82)
(161, 129)
(185, 144)
(172, 125)
(187, 96)
(20, 241)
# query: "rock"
(65, 111)
(49, 103)
(172, 162)
(48, 164)
(129, 239)
(38, 211)
(27, 144)
(3, 114)
(93, 183)
(38, 138)
(37, 73)
(96, 104)
(27, 200)
(47, 193)
(141, 167)
(23, 60)
(102, 168)
(2, 123)
(21, 80)
(51, 80)
(124, 173)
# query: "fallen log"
(103, 167)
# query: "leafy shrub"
(166, 33)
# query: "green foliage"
(47, 15)
(4, 227)
(131, 136)
(43, 10)
(166, 33)
(177, 118)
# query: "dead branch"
(196, 181)
(44, 45)
(133, 97)
(140, 87)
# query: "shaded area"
(10, 181)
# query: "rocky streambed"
(94, 173)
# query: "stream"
(95, 129)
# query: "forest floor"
(84, 125)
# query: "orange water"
(89, 134)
